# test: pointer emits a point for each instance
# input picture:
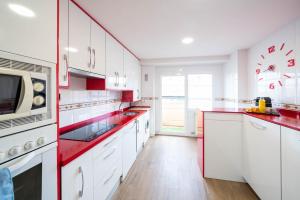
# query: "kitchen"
(149, 100)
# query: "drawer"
(106, 161)
(223, 116)
(106, 144)
(103, 188)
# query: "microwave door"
(16, 94)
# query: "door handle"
(82, 181)
(94, 53)
(67, 66)
(90, 52)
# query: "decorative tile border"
(74, 106)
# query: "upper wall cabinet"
(132, 75)
(98, 48)
(28, 28)
(80, 52)
(86, 47)
(63, 43)
(114, 64)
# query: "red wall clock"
(276, 66)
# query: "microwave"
(23, 93)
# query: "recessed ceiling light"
(21, 10)
(187, 40)
(71, 49)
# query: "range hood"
(84, 74)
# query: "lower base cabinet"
(77, 179)
(261, 153)
(290, 144)
(94, 174)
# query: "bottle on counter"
(262, 105)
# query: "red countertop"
(287, 118)
(71, 149)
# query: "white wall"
(290, 91)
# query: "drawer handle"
(108, 155)
(258, 126)
(113, 173)
(110, 141)
(82, 180)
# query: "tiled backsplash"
(77, 104)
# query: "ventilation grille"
(12, 64)
(23, 121)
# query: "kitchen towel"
(6, 185)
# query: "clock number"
(257, 71)
(271, 49)
(291, 63)
(272, 86)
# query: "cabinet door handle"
(258, 126)
(110, 154)
(94, 53)
(67, 66)
(82, 180)
(125, 81)
(90, 52)
(116, 79)
(110, 177)
(110, 141)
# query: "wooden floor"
(167, 169)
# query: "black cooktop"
(89, 132)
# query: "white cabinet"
(128, 147)
(107, 161)
(261, 153)
(32, 35)
(140, 133)
(114, 64)
(222, 139)
(86, 43)
(98, 49)
(63, 43)
(132, 71)
(290, 144)
(77, 178)
(79, 39)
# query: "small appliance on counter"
(267, 99)
(263, 105)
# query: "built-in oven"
(31, 158)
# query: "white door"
(114, 63)
(63, 42)
(31, 33)
(98, 48)
(290, 144)
(77, 179)
(80, 52)
(173, 105)
(261, 153)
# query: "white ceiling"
(154, 28)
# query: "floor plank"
(167, 170)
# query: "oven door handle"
(21, 162)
